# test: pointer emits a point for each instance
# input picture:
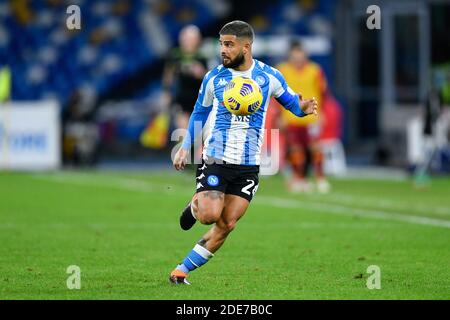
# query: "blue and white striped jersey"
(230, 138)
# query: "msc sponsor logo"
(241, 118)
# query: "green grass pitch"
(121, 229)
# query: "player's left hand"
(309, 106)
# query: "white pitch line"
(143, 186)
(341, 198)
(333, 198)
(351, 211)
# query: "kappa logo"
(199, 185)
(201, 176)
(222, 82)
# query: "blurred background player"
(183, 74)
(329, 141)
(80, 134)
(432, 113)
(302, 134)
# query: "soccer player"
(302, 134)
(183, 73)
(228, 178)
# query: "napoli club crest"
(213, 180)
(260, 80)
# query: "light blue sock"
(195, 259)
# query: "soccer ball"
(242, 96)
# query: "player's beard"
(236, 62)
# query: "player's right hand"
(180, 159)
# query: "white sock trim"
(193, 262)
(203, 252)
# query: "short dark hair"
(238, 28)
(295, 45)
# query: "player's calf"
(220, 232)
